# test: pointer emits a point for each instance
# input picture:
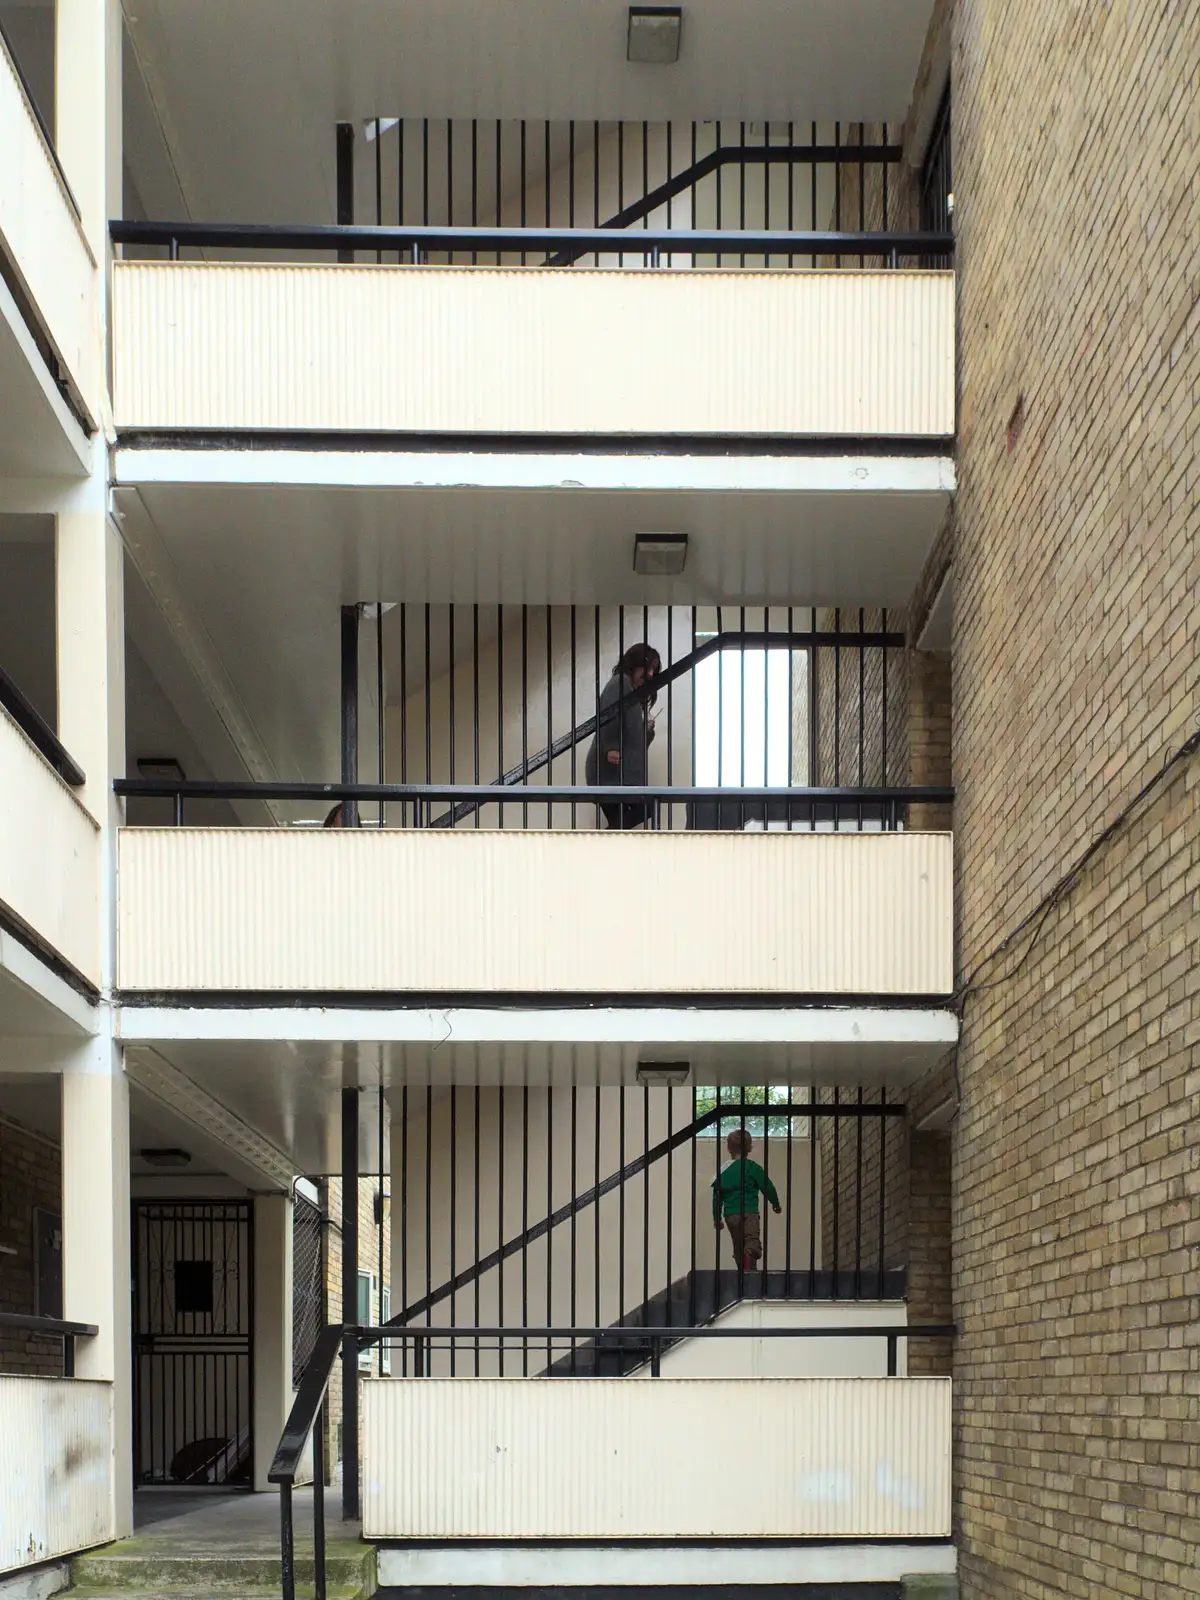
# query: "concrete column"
(87, 111)
(89, 585)
(272, 1327)
(96, 1246)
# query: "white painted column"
(272, 1327)
(87, 110)
(96, 1245)
(89, 584)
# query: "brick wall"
(30, 1179)
(368, 1256)
(1077, 1145)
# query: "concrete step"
(135, 1567)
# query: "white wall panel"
(575, 1458)
(775, 913)
(43, 237)
(49, 854)
(55, 1468)
(529, 350)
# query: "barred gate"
(308, 1282)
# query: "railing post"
(350, 1304)
(287, 1542)
(68, 1355)
(418, 1358)
(178, 809)
(319, 1503)
(892, 1355)
(656, 1358)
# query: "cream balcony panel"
(529, 350)
(42, 237)
(601, 1458)
(49, 855)
(55, 1468)
(430, 911)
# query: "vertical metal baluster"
(524, 185)
(862, 189)
(718, 181)
(475, 718)
(621, 178)
(574, 1213)
(381, 707)
(549, 707)
(837, 186)
(813, 1154)
(621, 1210)
(379, 1134)
(670, 707)
(766, 217)
(450, 224)
(646, 179)
(670, 1093)
(549, 1212)
(670, 175)
(500, 698)
(596, 1318)
(720, 720)
(883, 703)
(525, 1227)
(858, 1183)
(651, 808)
(475, 188)
(428, 699)
(378, 185)
(787, 1221)
(546, 159)
(742, 190)
(499, 218)
(428, 1199)
(596, 702)
(502, 1317)
(883, 172)
(694, 1208)
(837, 1199)
(400, 201)
(404, 1219)
(574, 723)
(453, 1213)
(791, 191)
(862, 712)
(453, 675)
(596, 205)
(524, 711)
(883, 1124)
(571, 224)
(766, 709)
(813, 202)
(424, 172)
(403, 706)
(646, 1200)
(742, 662)
(837, 714)
(475, 1219)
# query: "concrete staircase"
(699, 1297)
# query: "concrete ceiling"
(231, 107)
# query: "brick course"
(30, 1179)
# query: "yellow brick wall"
(1077, 1145)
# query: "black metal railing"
(50, 1328)
(415, 244)
(504, 180)
(713, 808)
(646, 1344)
(38, 731)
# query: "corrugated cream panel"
(529, 350)
(55, 1468)
(206, 908)
(49, 854)
(42, 234)
(596, 1458)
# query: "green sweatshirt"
(737, 1187)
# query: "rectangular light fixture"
(654, 34)
(163, 769)
(659, 555)
(671, 1073)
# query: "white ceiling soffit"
(246, 96)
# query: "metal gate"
(193, 1342)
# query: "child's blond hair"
(739, 1143)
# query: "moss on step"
(146, 1567)
(930, 1586)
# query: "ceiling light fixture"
(659, 555)
(170, 1156)
(671, 1073)
(653, 36)
(161, 769)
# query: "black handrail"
(419, 240)
(51, 1328)
(419, 795)
(742, 155)
(39, 732)
(580, 1202)
(307, 1417)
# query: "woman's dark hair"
(644, 656)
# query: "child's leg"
(751, 1242)
(734, 1224)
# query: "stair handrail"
(305, 1419)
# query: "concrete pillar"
(272, 1327)
(89, 586)
(96, 1246)
(87, 111)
